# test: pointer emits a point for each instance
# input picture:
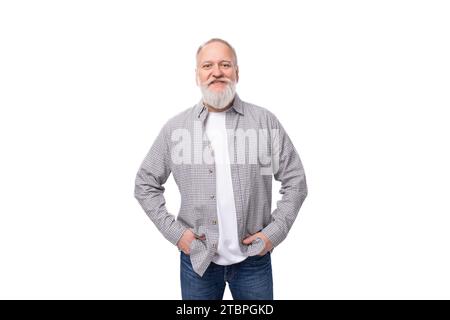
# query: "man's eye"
(226, 65)
(207, 66)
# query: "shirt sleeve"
(288, 169)
(149, 190)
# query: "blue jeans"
(250, 279)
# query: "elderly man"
(223, 153)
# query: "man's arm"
(293, 188)
(152, 175)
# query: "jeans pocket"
(258, 260)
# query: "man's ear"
(196, 77)
(237, 73)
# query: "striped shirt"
(259, 148)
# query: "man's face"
(216, 68)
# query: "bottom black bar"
(177, 309)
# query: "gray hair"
(221, 41)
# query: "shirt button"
(214, 245)
(214, 222)
(210, 171)
(213, 197)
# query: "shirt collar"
(202, 111)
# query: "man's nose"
(217, 72)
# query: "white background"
(362, 88)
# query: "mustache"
(228, 81)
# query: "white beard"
(221, 99)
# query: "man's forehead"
(215, 51)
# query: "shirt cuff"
(175, 232)
(274, 234)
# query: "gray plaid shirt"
(259, 148)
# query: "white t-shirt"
(228, 251)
